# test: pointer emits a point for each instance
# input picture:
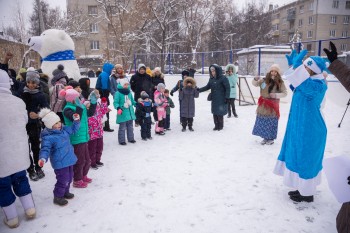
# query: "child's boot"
(11, 216)
(87, 179)
(28, 206)
(60, 201)
(79, 184)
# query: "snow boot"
(263, 142)
(79, 184)
(269, 142)
(107, 128)
(99, 164)
(68, 195)
(60, 201)
(28, 205)
(40, 173)
(11, 216)
(300, 198)
(94, 167)
(294, 193)
(87, 179)
(33, 176)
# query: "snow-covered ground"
(195, 182)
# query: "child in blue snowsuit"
(56, 145)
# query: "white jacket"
(14, 150)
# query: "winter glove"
(172, 93)
(78, 103)
(349, 180)
(332, 55)
(93, 98)
(298, 59)
(291, 57)
(104, 100)
(41, 162)
(76, 117)
(120, 111)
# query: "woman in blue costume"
(300, 159)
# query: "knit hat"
(141, 66)
(157, 69)
(48, 117)
(144, 95)
(32, 75)
(276, 68)
(58, 74)
(69, 94)
(22, 70)
(185, 72)
(118, 66)
(316, 64)
(160, 86)
(4, 80)
(73, 84)
(123, 81)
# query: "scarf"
(60, 56)
(272, 104)
(124, 91)
(26, 89)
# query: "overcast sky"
(7, 7)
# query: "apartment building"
(313, 20)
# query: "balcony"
(291, 15)
(276, 33)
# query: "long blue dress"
(300, 159)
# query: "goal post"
(245, 94)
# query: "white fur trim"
(297, 76)
(313, 65)
(292, 179)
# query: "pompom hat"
(32, 76)
(69, 94)
(58, 74)
(48, 117)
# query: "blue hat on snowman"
(316, 64)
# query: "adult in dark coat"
(342, 73)
(220, 95)
(85, 87)
(141, 82)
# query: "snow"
(197, 182)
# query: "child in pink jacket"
(96, 132)
(161, 102)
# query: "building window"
(343, 47)
(301, 9)
(333, 19)
(283, 32)
(300, 24)
(310, 34)
(344, 34)
(95, 45)
(92, 10)
(111, 44)
(332, 33)
(335, 4)
(311, 6)
(94, 28)
(346, 19)
(347, 5)
(309, 47)
(311, 20)
(284, 20)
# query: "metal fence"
(255, 64)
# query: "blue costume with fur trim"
(300, 159)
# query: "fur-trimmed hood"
(189, 80)
(218, 70)
(231, 66)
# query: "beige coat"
(262, 110)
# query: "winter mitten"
(171, 93)
(104, 100)
(78, 103)
(291, 57)
(76, 117)
(41, 162)
(349, 180)
(120, 111)
(93, 98)
(298, 59)
(332, 55)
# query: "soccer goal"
(245, 94)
